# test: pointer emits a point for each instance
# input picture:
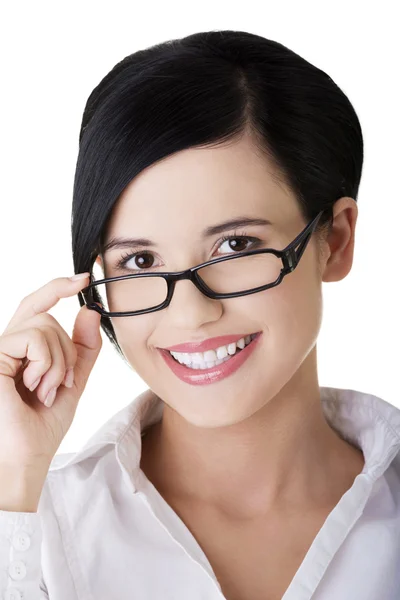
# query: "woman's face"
(171, 203)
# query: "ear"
(339, 244)
(99, 263)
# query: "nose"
(190, 308)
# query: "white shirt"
(103, 531)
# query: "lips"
(213, 374)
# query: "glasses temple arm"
(302, 247)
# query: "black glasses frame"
(290, 259)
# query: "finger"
(46, 297)
(87, 339)
(44, 320)
(31, 343)
(51, 371)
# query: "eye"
(145, 263)
(145, 260)
(240, 245)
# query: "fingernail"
(35, 384)
(79, 276)
(69, 378)
(50, 397)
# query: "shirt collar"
(364, 420)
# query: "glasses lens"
(128, 295)
(242, 273)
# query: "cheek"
(291, 313)
(132, 335)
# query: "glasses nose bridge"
(187, 274)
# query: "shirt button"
(21, 540)
(12, 594)
(17, 569)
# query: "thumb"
(88, 342)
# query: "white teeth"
(203, 360)
(208, 356)
(241, 343)
(222, 352)
(232, 348)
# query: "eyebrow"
(118, 242)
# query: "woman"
(235, 475)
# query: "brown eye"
(237, 242)
(137, 260)
(241, 245)
(146, 264)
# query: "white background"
(53, 55)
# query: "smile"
(212, 358)
(196, 371)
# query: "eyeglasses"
(224, 277)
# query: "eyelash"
(126, 257)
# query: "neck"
(285, 455)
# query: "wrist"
(20, 488)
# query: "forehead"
(191, 190)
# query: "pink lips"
(210, 344)
(214, 374)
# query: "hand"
(34, 345)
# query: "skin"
(261, 429)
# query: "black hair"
(207, 89)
